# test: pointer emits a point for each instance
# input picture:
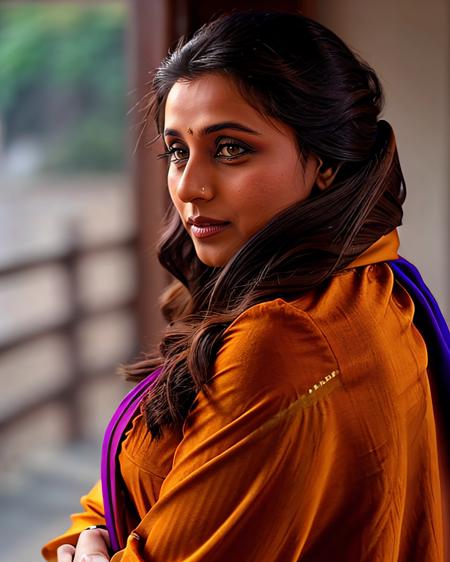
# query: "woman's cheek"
(171, 185)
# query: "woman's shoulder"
(360, 295)
(353, 295)
(360, 307)
(275, 348)
(359, 317)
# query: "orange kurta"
(319, 443)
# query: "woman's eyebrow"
(228, 125)
(214, 128)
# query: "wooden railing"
(68, 392)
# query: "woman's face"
(231, 168)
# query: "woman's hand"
(92, 546)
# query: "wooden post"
(151, 33)
(71, 398)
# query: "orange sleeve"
(92, 503)
(247, 467)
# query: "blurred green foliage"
(62, 77)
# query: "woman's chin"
(212, 261)
(214, 257)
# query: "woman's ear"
(325, 175)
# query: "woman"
(287, 414)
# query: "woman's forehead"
(212, 98)
(209, 94)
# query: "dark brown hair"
(295, 70)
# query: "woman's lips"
(206, 230)
(204, 227)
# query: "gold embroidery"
(323, 381)
(326, 385)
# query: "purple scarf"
(109, 468)
(427, 318)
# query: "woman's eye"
(177, 154)
(230, 150)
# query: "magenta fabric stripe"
(431, 323)
(111, 442)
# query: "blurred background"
(80, 207)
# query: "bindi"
(189, 131)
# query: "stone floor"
(38, 497)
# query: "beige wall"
(407, 43)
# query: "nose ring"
(203, 189)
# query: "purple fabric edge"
(111, 440)
(112, 469)
(428, 312)
(431, 324)
(108, 478)
(413, 276)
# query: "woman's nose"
(193, 184)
